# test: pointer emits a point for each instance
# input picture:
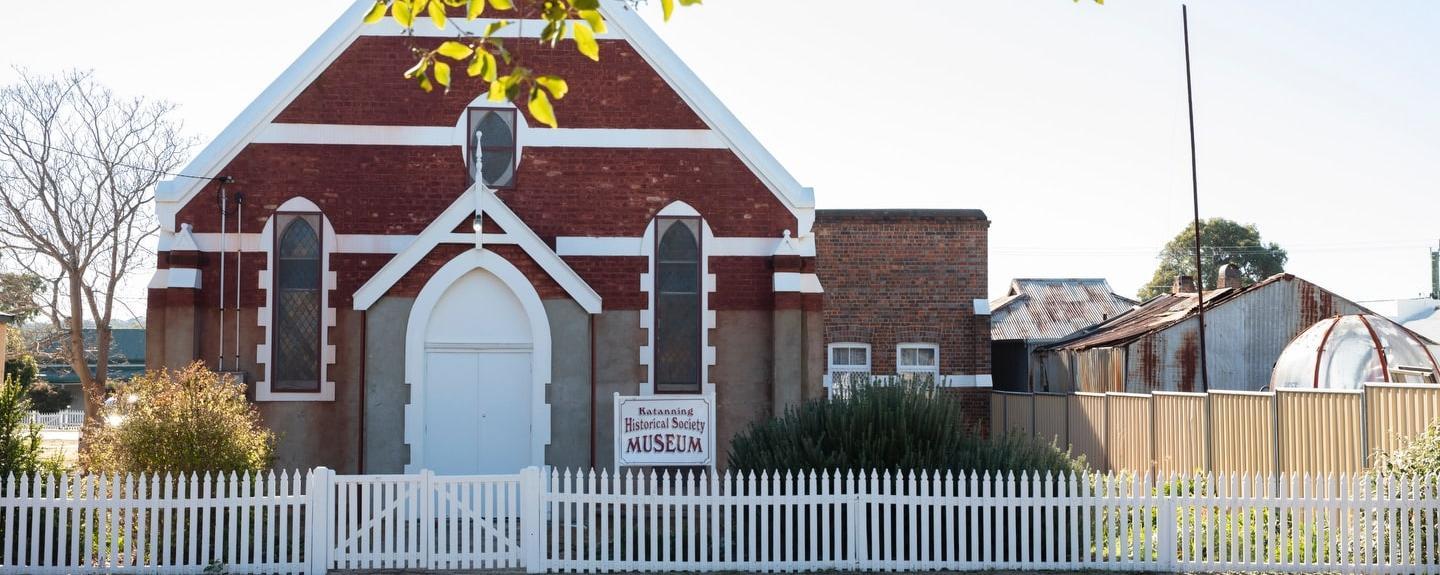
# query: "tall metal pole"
(1195, 196)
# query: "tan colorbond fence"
(1293, 431)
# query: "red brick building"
(905, 293)
(412, 280)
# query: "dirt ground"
(64, 442)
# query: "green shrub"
(899, 426)
(19, 439)
(23, 368)
(181, 421)
(1419, 455)
(46, 398)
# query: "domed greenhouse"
(1348, 351)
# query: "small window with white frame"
(849, 357)
(917, 358)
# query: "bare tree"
(78, 167)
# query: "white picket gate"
(423, 521)
(568, 522)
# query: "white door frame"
(419, 323)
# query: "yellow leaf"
(477, 7)
(540, 108)
(502, 4)
(437, 14)
(442, 74)
(455, 50)
(493, 27)
(426, 85)
(418, 69)
(402, 11)
(376, 13)
(497, 91)
(491, 68)
(555, 84)
(593, 18)
(585, 41)
(669, 8)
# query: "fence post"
(858, 524)
(1168, 524)
(319, 516)
(532, 519)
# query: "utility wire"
(133, 167)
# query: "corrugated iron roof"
(1161, 312)
(1052, 308)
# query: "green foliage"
(46, 398)
(17, 295)
(901, 426)
(1221, 241)
(19, 439)
(1418, 455)
(23, 368)
(183, 421)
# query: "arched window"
(677, 305)
(296, 341)
(492, 134)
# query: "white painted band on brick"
(360, 135)
(345, 243)
(963, 380)
(424, 28)
(347, 135)
(982, 307)
(622, 246)
(797, 282)
(184, 278)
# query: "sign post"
(665, 430)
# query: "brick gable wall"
(366, 85)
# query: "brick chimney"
(1183, 284)
(1230, 277)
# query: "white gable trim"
(800, 200)
(172, 195)
(440, 231)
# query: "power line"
(133, 167)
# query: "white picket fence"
(65, 419)
(155, 524)
(571, 522)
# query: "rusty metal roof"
(1052, 308)
(1163, 311)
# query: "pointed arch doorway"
(477, 360)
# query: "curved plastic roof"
(1347, 351)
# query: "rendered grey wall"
(315, 433)
(742, 374)
(618, 338)
(569, 389)
(385, 391)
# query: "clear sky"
(1318, 121)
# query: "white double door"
(477, 409)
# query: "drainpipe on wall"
(593, 422)
(364, 355)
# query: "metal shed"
(1155, 347)
(1037, 312)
